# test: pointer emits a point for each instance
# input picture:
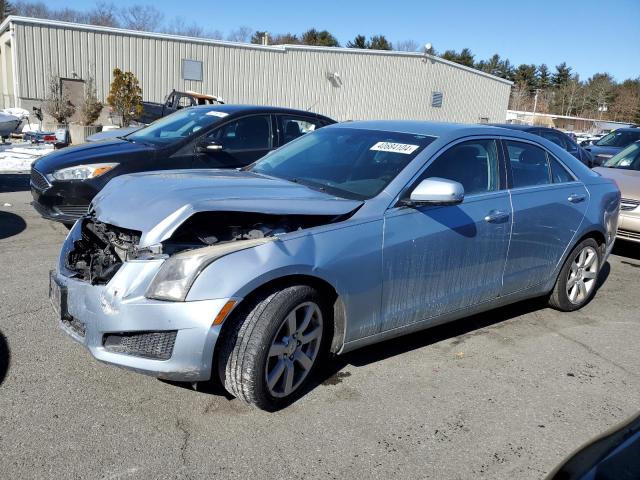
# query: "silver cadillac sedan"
(345, 237)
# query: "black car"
(64, 182)
(555, 136)
(612, 143)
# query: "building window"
(484, 119)
(436, 99)
(191, 70)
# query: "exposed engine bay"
(103, 248)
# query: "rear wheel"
(577, 281)
(274, 346)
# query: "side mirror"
(437, 191)
(208, 147)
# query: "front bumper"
(90, 313)
(63, 202)
(629, 226)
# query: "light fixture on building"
(335, 79)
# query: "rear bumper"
(178, 337)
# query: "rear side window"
(529, 164)
(559, 174)
(294, 127)
(474, 164)
(555, 138)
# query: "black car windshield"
(619, 138)
(346, 162)
(629, 158)
(175, 127)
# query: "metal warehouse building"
(339, 82)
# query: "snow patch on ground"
(18, 157)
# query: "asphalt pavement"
(503, 395)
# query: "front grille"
(628, 234)
(156, 345)
(72, 210)
(38, 180)
(627, 204)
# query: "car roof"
(427, 128)
(515, 126)
(232, 109)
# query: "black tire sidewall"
(261, 330)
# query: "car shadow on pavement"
(11, 224)
(5, 357)
(329, 372)
(623, 248)
(14, 182)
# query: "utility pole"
(535, 105)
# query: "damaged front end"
(102, 249)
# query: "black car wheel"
(274, 346)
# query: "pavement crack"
(25, 312)
(182, 426)
(591, 351)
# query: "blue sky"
(591, 36)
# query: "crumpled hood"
(156, 203)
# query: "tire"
(265, 364)
(576, 283)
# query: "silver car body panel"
(170, 197)
(394, 268)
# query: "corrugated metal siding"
(373, 85)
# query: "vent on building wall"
(436, 99)
(191, 70)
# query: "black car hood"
(107, 151)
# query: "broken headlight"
(82, 172)
(177, 274)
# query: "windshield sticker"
(405, 148)
(213, 113)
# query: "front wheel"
(274, 346)
(577, 281)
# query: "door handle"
(496, 216)
(576, 197)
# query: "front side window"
(529, 164)
(474, 164)
(346, 162)
(628, 159)
(248, 133)
(555, 137)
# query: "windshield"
(175, 127)
(629, 158)
(346, 162)
(618, 138)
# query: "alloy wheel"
(294, 349)
(582, 275)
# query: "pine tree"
(125, 96)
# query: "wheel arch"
(338, 315)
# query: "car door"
(239, 142)
(437, 259)
(549, 204)
(291, 127)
